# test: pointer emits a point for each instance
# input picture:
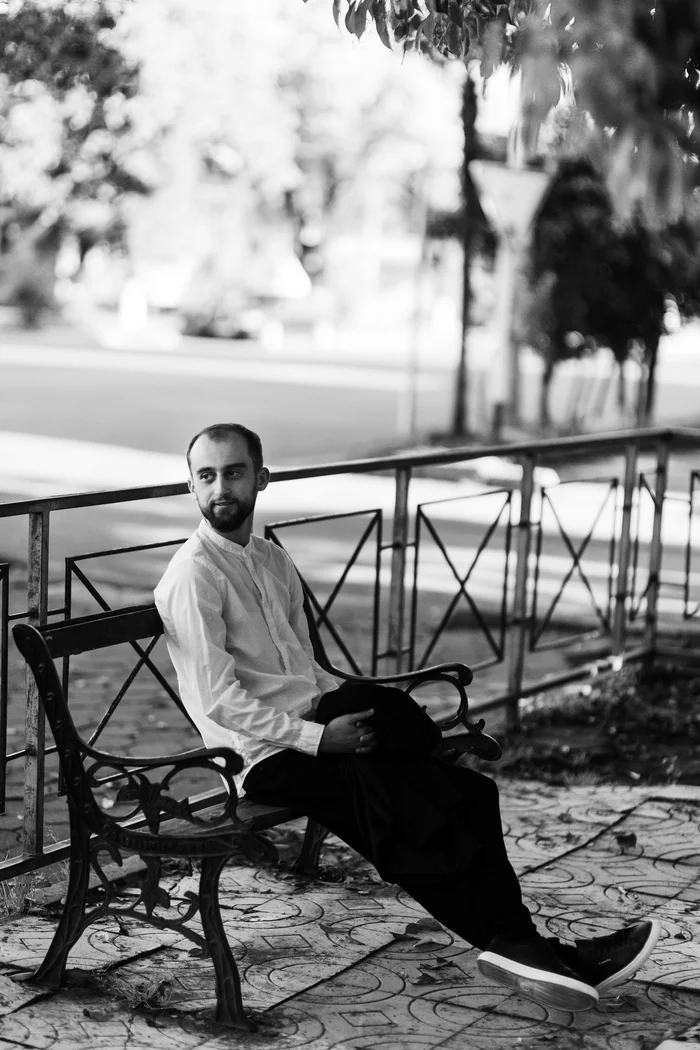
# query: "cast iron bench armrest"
(425, 674)
(457, 675)
(198, 756)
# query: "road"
(74, 418)
(304, 411)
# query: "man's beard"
(229, 516)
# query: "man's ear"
(190, 485)
(263, 479)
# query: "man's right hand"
(349, 734)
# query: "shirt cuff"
(310, 737)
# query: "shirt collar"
(208, 532)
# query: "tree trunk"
(545, 385)
(32, 265)
(650, 399)
(621, 392)
(469, 206)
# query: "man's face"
(224, 481)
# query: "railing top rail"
(616, 440)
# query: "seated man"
(232, 606)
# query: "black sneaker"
(532, 969)
(610, 960)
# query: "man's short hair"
(219, 432)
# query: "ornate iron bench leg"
(73, 921)
(229, 1002)
(314, 837)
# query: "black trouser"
(479, 904)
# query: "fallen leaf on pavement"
(98, 1015)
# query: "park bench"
(209, 828)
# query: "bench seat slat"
(262, 816)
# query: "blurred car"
(219, 323)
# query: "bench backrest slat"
(102, 630)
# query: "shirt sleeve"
(192, 613)
(299, 624)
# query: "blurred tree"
(69, 151)
(469, 226)
(596, 281)
(277, 141)
(571, 243)
(632, 65)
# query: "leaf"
(436, 964)
(381, 24)
(427, 944)
(425, 978)
(148, 1018)
(424, 924)
(162, 897)
(98, 1015)
(454, 40)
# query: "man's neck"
(241, 535)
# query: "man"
(232, 606)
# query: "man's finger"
(363, 714)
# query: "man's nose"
(220, 487)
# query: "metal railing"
(519, 538)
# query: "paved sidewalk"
(351, 965)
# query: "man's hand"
(349, 734)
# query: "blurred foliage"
(633, 66)
(232, 135)
(69, 149)
(277, 141)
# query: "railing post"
(34, 726)
(397, 588)
(619, 626)
(651, 620)
(518, 625)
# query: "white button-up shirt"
(238, 638)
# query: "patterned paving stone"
(24, 943)
(542, 824)
(79, 1018)
(660, 829)
(284, 940)
(15, 994)
(325, 966)
(616, 878)
(390, 1008)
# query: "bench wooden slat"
(262, 816)
(102, 630)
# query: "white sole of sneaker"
(555, 991)
(640, 958)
